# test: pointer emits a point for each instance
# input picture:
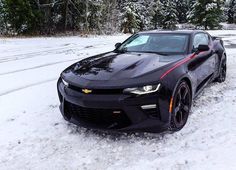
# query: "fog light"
(116, 112)
(150, 106)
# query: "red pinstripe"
(178, 64)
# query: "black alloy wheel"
(181, 106)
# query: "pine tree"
(95, 14)
(110, 16)
(169, 15)
(191, 3)
(206, 13)
(2, 19)
(157, 14)
(224, 16)
(232, 12)
(182, 8)
(78, 15)
(47, 24)
(130, 22)
(143, 14)
(22, 15)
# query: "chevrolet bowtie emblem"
(86, 91)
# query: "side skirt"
(203, 84)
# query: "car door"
(204, 62)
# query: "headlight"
(64, 82)
(143, 90)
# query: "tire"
(182, 102)
(222, 71)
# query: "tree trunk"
(86, 18)
(65, 14)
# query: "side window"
(200, 38)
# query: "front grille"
(107, 118)
(98, 91)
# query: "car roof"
(172, 32)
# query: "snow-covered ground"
(33, 134)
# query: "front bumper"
(116, 112)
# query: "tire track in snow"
(36, 67)
(18, 57)
(38, 54)
(27, 86)
(30, 54)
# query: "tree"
(164, 14)
(232, 12)
(157, 14)
(169, 15)
(182, 8)
(224, 16)
(206, 13)
(129, 18)
(66, 3)
(93, 16)
(2, 19)
(46, 8)
(110, 16)
(143, 11)
(22, 15)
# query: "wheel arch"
(172, 101)
(188, 81)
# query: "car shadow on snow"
(114, 135)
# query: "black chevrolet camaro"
(147, 83)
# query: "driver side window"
(200, 38)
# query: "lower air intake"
(106, 118)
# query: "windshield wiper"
(159, 53)
(153, 52)
(124, 50)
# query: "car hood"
(118, 67)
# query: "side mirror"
(117, 45)
(202, 47)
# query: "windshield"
(156, 43)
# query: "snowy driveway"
(33, 134)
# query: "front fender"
(170, 84)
